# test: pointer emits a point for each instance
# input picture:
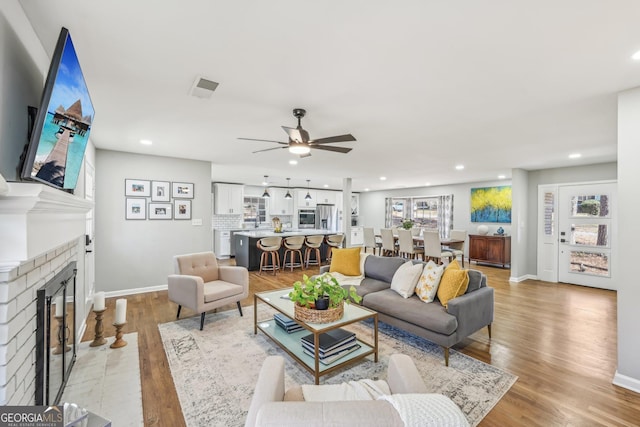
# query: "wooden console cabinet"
(490, 249)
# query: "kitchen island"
(248, 254)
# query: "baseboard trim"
(624, 381)
(134, 291)
(523, 278)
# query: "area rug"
(215, 370)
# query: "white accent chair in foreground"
(272, 407)
(201, 285)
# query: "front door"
(587, 233)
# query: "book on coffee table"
(286, 323)
(329, 340)
(330, 359)
(326, 353)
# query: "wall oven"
(307, 218)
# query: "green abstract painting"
(491, 204)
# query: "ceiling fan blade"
(339, 138)
(297, 134)
(269, 149)
(264, 140)
(330, 148)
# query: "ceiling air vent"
(203, 88)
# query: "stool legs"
(318, 260)
(275, 261)
(292, 259)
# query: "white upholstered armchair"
(200, 284)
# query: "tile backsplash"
(226, 221)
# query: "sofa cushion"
(382, 268)
(405, 278)
(476, 280)
(428, 316)
(345, 261)
(369, 285)
(429, 281)
(454, 283)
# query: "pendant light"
(266, 193)
(308, 196)
(288, 195)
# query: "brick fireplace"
(41, 232)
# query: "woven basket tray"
(311, 315)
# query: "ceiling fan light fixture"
(296, 148)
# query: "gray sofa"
(464, 315)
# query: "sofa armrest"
(186, 290)
(234, 274)
(324, 269)
(473, 311)
(403, 376)
(269, 387)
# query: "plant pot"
(310, 315)
(322, 303)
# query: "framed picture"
(136, 208)
(182, 190)
(491, 204)
(159, 210)
(137, 187)
(160, 192)
(182, 209)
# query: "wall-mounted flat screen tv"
(61, 128)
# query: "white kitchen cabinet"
(326, 197)
(278, 205)
(222, 243)
(228, 199)
(357, 236)
(302, 202)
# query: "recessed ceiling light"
(636, 56)
(575, 156)
(501, 177)
(427, 184)
(326, 185)
(383, 178)
(146, 142)
(366, 189)
(459, 167)
(293, 162)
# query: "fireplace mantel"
(35, 218)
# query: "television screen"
(61, 128)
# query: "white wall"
(136, 254)
(628, 372)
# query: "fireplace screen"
(55, 343)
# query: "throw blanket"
(353, 390)
(347, 280)
(418, 410)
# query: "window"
(435, 212)
(254, 210)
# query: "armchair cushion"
(203, 264)
(214, 291)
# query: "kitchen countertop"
(270, 233)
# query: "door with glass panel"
(587, 232)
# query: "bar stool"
(293, 245)
(333, 241)
(269, 245)
(313, 244)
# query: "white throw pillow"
(405, 278)
(429, 281)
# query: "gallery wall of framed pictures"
(157, 200)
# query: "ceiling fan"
(300, 143)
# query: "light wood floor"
(560, 340)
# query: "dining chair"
(406, 246)
(433, 247)
(457, 248)
(388, 242)
(370, 240)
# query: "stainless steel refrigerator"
(327, 217)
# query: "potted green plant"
(407, 224)
(321, 293)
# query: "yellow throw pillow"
(454, 283)
(345, 261)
